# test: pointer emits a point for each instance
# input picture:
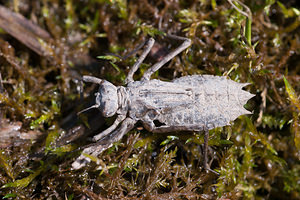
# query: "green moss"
(257, 157)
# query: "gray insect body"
(191, 103)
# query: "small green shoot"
(5, 164)
(292, 94)
(24, 182)
(169, 139)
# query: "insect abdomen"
(217, 101)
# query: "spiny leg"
(117, 135)
(104, 133)
(158, 65)
(82, 160)
(100, 146)
(205, 152)
(135, 67)
(206, 134)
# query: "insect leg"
(205, 160)
(100, 146)
(117, 135)
(135, 67)
(156, 66)
(119, 119)
(206, 134)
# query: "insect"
(189, 103)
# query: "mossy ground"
(257, 157)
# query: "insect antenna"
(86, 109)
